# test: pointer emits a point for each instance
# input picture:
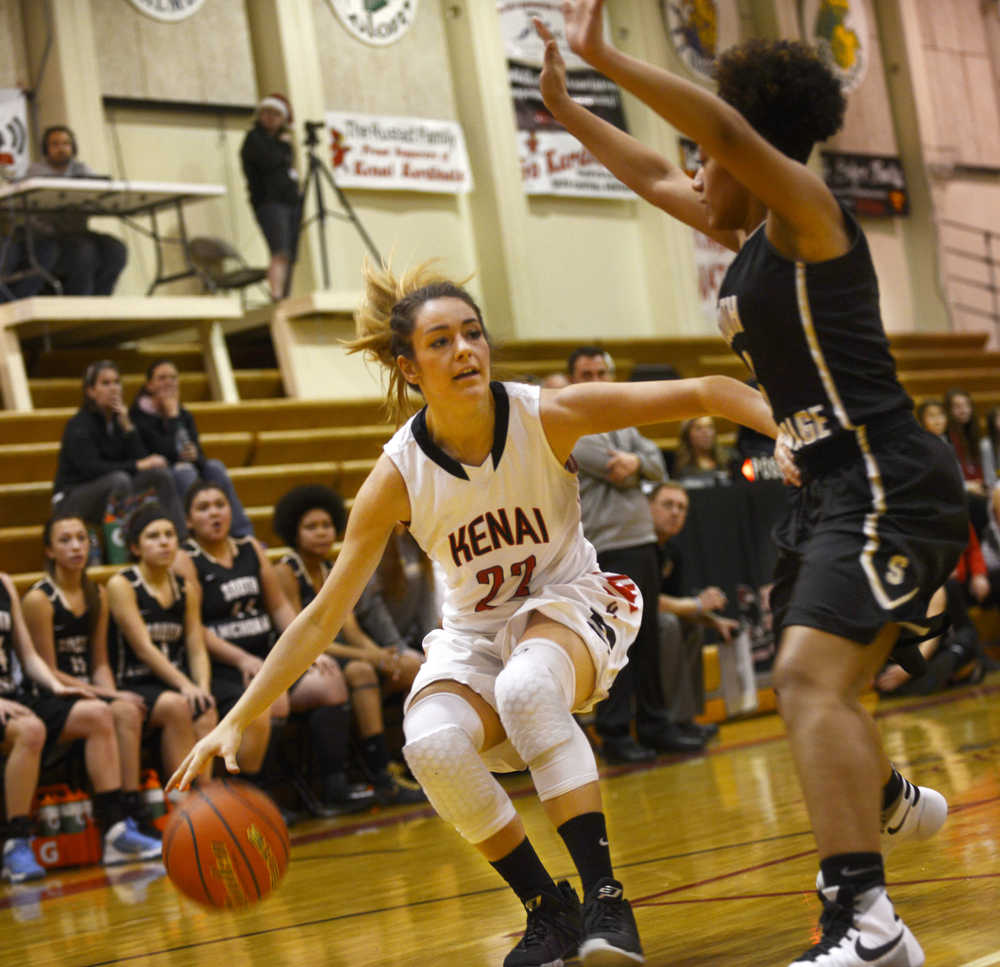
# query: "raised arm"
(380, 503)
(782, 184)
(647, 172)
(583, 408)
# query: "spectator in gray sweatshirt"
(617, 521)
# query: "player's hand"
(785, 457)
(712, 599)
(726, 627)
(552, 80)
(621, 465)
(584, 27)
(223, 741)
(134, 697)
(249, 666)
(12, 710)
(326, 665)
(151, 462)
(979, 585)
(198, 698)
(72, 691)
(891, 677)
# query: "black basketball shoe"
(553, 931)
(610, 936)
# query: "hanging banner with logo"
(553, 162)
(700, 30)
(711, 259)
(168, 10)
(868, 184)
(839, 29)
(376, 22)
(397, 153)
(14, 158)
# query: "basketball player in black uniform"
(308, 519)
(67, 713)
(241, 603)
(880, 519)
(22, 738)
(67, 618)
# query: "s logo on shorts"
(895, 571)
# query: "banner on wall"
(553, 162)
(14, 158)
(168, 10)
(868, 184)
(397, 153)
(839, 29)
(711, 259)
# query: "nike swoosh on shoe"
(871, 954)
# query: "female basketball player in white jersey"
(880, 520)
(532, 631)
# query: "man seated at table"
(89, 263)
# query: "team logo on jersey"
(700, 30)
(895, 571)
(839, 29)
(496, 529)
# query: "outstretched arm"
(381, 502)
(782, 184)
(574, 411)
(648, 173)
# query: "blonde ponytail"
(384, 321)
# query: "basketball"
(226, 844)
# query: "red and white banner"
(553, 162)
(397, 153)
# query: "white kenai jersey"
(501, 531)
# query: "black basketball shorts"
(865, 543)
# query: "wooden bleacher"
(271, 443)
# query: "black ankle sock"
(19, 827)
(892, 790)
(107, 809)
(856, 871)
(330, 727)
(375, 754)
(586, 838)
(524, 873)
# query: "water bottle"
(152, 793)
(72, 817)
(49, 819)
(181, 439)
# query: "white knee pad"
(443, 737)
(534, 695)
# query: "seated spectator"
(964, 435)
(241, 605)
(989, 449)
(682, 616)
(979, 583)
(308, 519)
(933, 417)
(156, 646)
(701, 461)
(399, 608)
(67, 713)
(89, 263)
(953, 658)
(167, 428)
(990, 546)
(67, 619)
(102, 460)
(14, 259)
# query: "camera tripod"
(316, 174)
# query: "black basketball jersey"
(7, 660)
(231, 597)
(812, 334)
(165, 626)
(306, 590)
(70, 632)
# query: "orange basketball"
(226, 844)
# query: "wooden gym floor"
(714, 851)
